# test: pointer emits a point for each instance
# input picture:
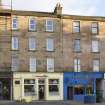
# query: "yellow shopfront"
(38, 86)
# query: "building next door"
(0, 90)
(5, 89)
(41, 88)
(70, 93)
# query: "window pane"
(53, 88)
(94, 28)
(32, 43)
(79, 90)
(95, 46)
(29, 90)
(49, 25)
(32, 65)
(89, 90)
(14, 23)
(77, 45)
(15, 64)
(50, 44)
(77, 66)
(50, 65)
(76, 26)
(96, 65)
(53, 81)
(14, 43)
(29, 81)
(32, 24)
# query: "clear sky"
(73, 7)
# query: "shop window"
(79, 90)
(89, 90)
(41, 81)
(53, 86)
(29, 87)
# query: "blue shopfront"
(83, 86)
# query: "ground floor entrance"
(70, 93)
(41, 89)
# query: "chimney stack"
(58, 9)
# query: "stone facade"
(62, 34)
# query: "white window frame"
(94, 28)
(54, 84)
(76, 27)
(96, 65)
(50, 65)
(34, 24)
(32, 64)
(30, 84)
(32, 43)
(51, 26)
(77, 45)
(15, 43)
(50, 44)
(95, 46)
(16, 23)
(77, 65)
(15, 64)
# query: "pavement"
(46, 103)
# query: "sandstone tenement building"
(51, 56)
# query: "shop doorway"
(99, 91)
(5, 89)
(70, 93)
(41, 92)
(41, 89)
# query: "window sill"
(76, 32)
(32, 50)
(94, 33)
(14, 50)
(77, 51)
(32, 30)
(15, 29)
(50, 51)
(49, 31)
(95, 52)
